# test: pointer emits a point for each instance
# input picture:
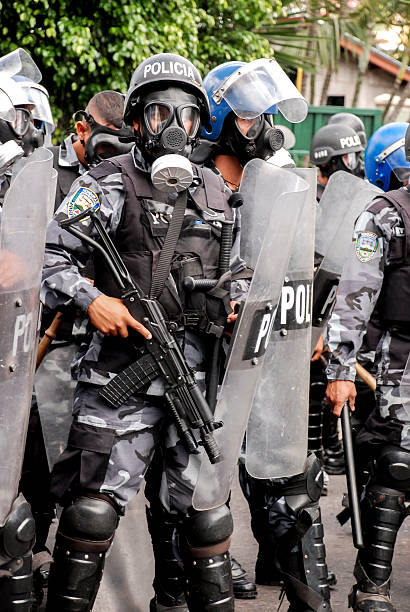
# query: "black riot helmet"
(353, 121)
(167, 96)
(335, 147)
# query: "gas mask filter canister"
(171, 173)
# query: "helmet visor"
(254, 88)
(7, 110)
(396, 160)
(21, 123)
(19, 63)
(189, 119)
(41, 110)
(403, 173)
(350, 160)
(157, 116)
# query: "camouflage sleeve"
(359, 288)
(65, 255)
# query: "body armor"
(139, 238)
(394, 298)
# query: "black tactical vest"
(139, 239)
(394, 300)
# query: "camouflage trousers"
(389, 423)
(109, 450)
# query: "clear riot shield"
(275, 198)
(276, 436)
(26, 212)
(344, 198)
(54, 391)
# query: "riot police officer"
(31, 189)
(357, 124)
(97, 130)
(375, 275)
(101, 468)
(229, 143)
(334, 147)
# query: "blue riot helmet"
(385, 158)
(242, 96)
(212, 83)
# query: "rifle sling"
(170, 243)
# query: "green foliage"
(84, 47)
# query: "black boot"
(382, 514)
(16, 590)
(169, 579)
(242, 587)
(209, 584)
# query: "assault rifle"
(160, 356)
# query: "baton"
(366, 376)
(49, 335)
(351, 478)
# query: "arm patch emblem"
(367, 244)
(83, 199)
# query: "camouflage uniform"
(109, 450)
(380, 233)
(358, 292)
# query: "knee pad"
(208, 527)
(91, 520)
(17, 536)
(392, 468)
(301, 490)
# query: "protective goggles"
(159, 115)
(21, 123)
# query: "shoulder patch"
(83, 199)
(367, 244)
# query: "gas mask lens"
(249, 127)
(350, 160)
(158, 116)
(22, 122)
(189, 119)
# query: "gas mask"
(104, 142)
(349, 162)
(251, 138)
(170, 124)
(32, 139)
